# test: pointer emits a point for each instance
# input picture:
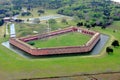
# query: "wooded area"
(90, 13)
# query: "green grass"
(68, 39)
(23, 29)
(35, 14)
(14, 67)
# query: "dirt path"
(2, 30)
(7, 29)
(101, 76)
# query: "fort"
(21, 42)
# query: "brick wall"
(20, 43)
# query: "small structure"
(12, 19)
(8, 19)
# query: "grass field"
(68, 39)
(23, 29)
(15, 67)
(35, 14)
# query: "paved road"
(50, 17)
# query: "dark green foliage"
(115, 43)
(109, 50)
(4, 35)
(64, 21)
(1, 22)
(52, 21)
(31, 43)
(2, 15)
(5, 12)
(2, 11)
(17, 7)
(101, 12)
(88, 25)
(9, 14)
(19, 20)
(97, 13)
(16, 12)
(80, 24)
(29, 8)
(103, 27)
(116, 18)
(8, 10)
(41, 11)
(51, 4)
(25, 14)
(67, 12)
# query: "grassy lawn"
(69, 39)
(13, 66)
(23, 29)
(35, 13)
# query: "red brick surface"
(20, 43)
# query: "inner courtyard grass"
(68, 39)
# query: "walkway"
(12, 30)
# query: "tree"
(115, 43)
(4, 35)
(52, 21)
(29, 8)
(26, 14)
(1, 22)
(41, 11)
(52, 24)
(109, 50)
(80, 24)
(9, 14)
(76, 18)
(31, 43)
(19, 20)
(2, 15)
(87, 25)
(64, 21)
(103, 26)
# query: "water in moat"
(96, 50)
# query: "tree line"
(93, 12)
(50, 4)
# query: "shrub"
(1, 22)
(31, 43)
(115, 43)
(109, 50)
